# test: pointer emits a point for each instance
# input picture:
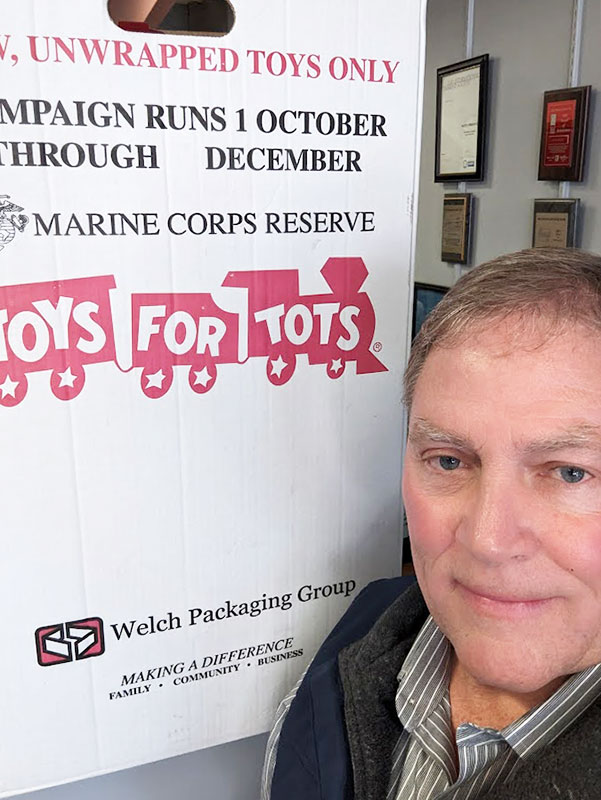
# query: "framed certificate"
(563, 134)
(555, 223)
(461, 100)
(456, 218)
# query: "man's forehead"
(529, 343)
(506, 332)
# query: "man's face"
(502, 488)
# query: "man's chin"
(508, 669)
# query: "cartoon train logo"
(191, 330)
(11, 220)
(66, 326)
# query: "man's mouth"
(502, 603)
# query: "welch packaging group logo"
(69, 641)
(11, 220)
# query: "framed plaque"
(461, 99)
(456, 217)
(555, 223)
(563, 134)
(425, 297)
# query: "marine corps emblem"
(11, 220)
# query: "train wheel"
(335, 367)
(13, 388)
(156, 383)
(280, 367)
(202, 376)
(67, 384)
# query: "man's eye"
(571, 474)
(448, 462)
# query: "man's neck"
(488, 706)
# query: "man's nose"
(498, 523)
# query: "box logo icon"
(69, 641)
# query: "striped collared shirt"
(274, 738)
(424, 766)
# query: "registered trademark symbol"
(377, 346)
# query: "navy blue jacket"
(313, 755)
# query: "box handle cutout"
(178, 17)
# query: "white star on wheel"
(9, 387)
(67, 378)
(336, 365)
(203, 377)
(278, 366)
(155, 381)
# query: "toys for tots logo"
(66, 326)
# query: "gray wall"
(528, 41)
(529, 46)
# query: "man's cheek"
(429, 528)
(579, 553)
(418, 507)
(427, 553)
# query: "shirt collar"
(544, 723)
(424, 676)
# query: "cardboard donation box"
(205, 247)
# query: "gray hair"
(552, 283)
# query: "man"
(484, 682)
